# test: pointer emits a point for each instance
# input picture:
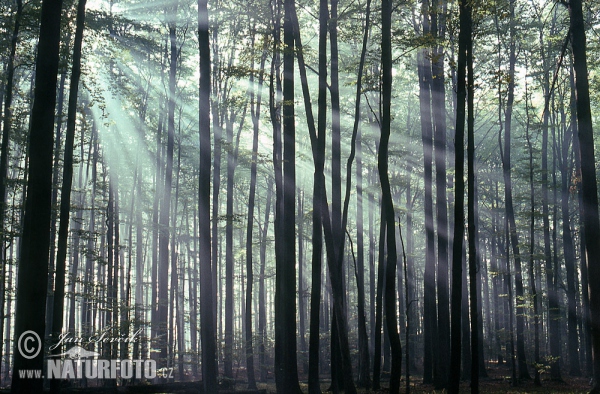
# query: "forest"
(299, 196)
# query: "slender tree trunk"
(474, 289)
(532, 283)
(65, 203)
(588, 178)
(155, 219)
(466, 328)
(379, 306)
(552, 301)
(438, 97)
(4, 155)
(262, 313)
(464, 41)
(337, 367)
(164, 230)
(301, 294)
(228, 350)
(506, 166)
(317, 234)
(429, 297)
(255, 110)
(388, 205)
(569, 250)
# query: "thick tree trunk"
(207, 325)
(588, 178)
(286, 369)
(585, 300)
(32, 283)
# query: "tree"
(32, 283)
(165, 208)
(588, 177)
(6, 127)
(388, 215)
(464, 40)
(438, 104)
(255, 109)
(508, 197)
(207, 325)
(65, 203)
(286, 368)
(429, 296)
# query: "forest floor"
(498, 381)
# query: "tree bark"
(388, 204)
(464, 40)
(569, 252)
(4, 155)
(438, 98)
(286, 369)
(588, 178)
(207, 325)
(429, 297)
(32, 283)
(506, 169)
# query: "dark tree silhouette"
(459, 193)
(32, 281)
(207, 325)
(589, 188)
(65, 203)
(387, 203)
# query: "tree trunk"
(207, 325)
(532, 285)
(379, 305)
(262, 313)
(438, 98)
(32, 283)
(429, 297)
(255, 110)
(388, 205)
(4, 155)
(286, 370)
(65, 203)
(569, 250)
(474, 290)
(464, 41)
(506, 170)
(588, 178)
(228, 349)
